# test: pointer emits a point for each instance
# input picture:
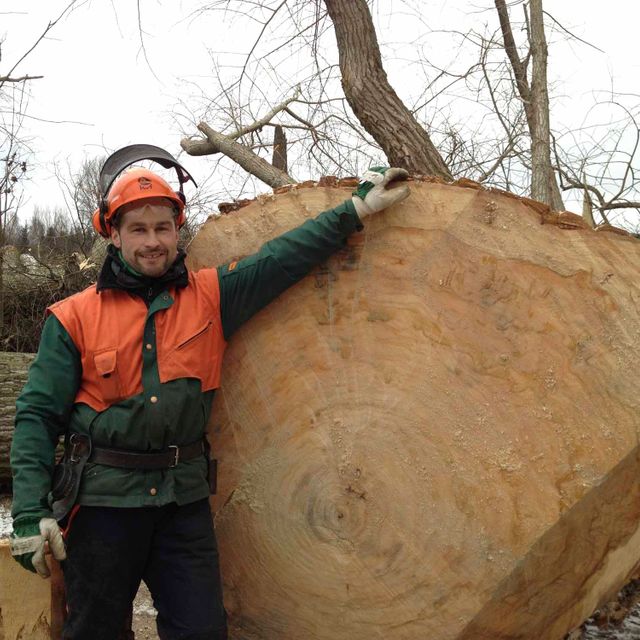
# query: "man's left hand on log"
(379, 188)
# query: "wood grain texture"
(25, 601)
(13, 375)
(435, 434)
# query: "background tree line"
(47, 257)
(335, 112)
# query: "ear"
(115, 238)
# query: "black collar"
(114, 275)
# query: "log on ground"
(13, 375)
(435, 434)
(25, 601)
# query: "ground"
(144, 616)
(617, 620)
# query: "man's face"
(147, 237)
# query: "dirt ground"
(617, 620)
(144, 616)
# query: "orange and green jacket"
(138, 371)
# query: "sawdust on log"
(563, 219)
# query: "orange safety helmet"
(136, 184)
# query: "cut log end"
(411, 438)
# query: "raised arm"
(249, 284)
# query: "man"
(126, 371)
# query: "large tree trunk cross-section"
(434, 435)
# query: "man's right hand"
(28, 543)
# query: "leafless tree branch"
(4, 79)
(48, 28)
(248, 160)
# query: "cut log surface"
(25, 601)
(13, 375)
(435, 434)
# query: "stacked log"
(13, 375)
(435, 434)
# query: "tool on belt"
(79, 450)
(67, 474)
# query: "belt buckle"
(176, 456)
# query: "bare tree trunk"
(247, 159)
(535, 98)
(587, 209)
(4, 209)
(544, 186)
(251, 162)
(2, 244)
(13, 375)
(373, 100)
(279, 160)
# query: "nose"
(151, 239)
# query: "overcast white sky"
(99, 93)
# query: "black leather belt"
(166, 459)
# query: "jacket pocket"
(107, 378)
(195, 356)
(194, 338)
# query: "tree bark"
(371, 97)
(279, 160)
(544, 186)
(4, 210)
(587, 209)
(535, 100)
(13, 375)
(248, 160)
(274, 175)
(2, 291)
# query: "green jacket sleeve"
(281, 262)
(42, 412)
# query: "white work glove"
(27, 546)
(378, 189)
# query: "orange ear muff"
(99, 223)
(95, 220)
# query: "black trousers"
(173, 549)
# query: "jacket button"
(153, 399)
(149, 347)
(153, 491)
